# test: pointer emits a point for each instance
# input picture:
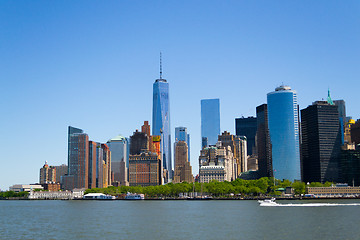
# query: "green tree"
(299, 187)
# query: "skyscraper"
(210, 120)
(144, 166)
(103, 166)
(283, 117)
(107, 167)
(47, 174)
(92, 164)
(321, 142)
(61, 171)
(78, 159)
(119, 159)
(139, 143)
(247, 127)
(342, 116)
(161, 119)
(146, 129)
(350, 166)
(182, 135)
(238, 148)
(263, 142)
(183, 170)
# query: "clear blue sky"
(91, 65)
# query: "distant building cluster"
(316, 144)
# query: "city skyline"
(59, 64)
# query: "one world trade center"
(161, 120)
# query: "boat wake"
(308, 204)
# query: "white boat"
(267, 202)
(134, 196)
(98, 196)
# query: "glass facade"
(284, 133)
(321, 142)
(263, 142)
(161, 120)
(71, 130)
(78, 161)
(247, 127)
(119, 154)
(210, 120)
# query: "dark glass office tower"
(321, 142)
(263, 142)
(247, 127)
(72, 130)
(350, 167)
(210, 121)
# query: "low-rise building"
(25, 187)
(58, 195)
(334, 191)
(212, 172)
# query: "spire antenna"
(160, 67)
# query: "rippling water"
(177, 220)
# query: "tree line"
(239, 187)
(12, 194)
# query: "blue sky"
(91, 65)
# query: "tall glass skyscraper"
(210, 120)
(247, 127)
(119, 147)
(161, 120)
(283, 117)
(78, 159)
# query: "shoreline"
(196, 199)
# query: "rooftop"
(117, 138)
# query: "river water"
(179, 220)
